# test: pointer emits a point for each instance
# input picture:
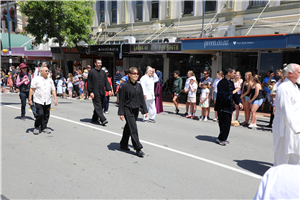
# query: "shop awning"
(20, 51)
(17, 40)
(274, 41)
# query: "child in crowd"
(192, 96)
(70, 85)
(204, 103)
(81, 88)
(2, 78)
(272, 88)
(10, 82)
(117, 91)
(63, 85)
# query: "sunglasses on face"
(205, 73)
(135, 73)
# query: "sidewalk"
(182, 106)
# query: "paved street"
(83, 160)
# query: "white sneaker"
(215, 119)
(205, 119)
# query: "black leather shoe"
(124, 148)
(140, 153)
(104, 122)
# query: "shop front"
(258, 53)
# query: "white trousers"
(151, 109)
(280, 157)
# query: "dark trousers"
(42, 115)
(106, 104)
(23, 97)
(130, 129)
(224, 125)
(76, 89)
(98, 102)
(272, 116)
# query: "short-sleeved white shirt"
(204, 92)
(193, 94)
(43, 87)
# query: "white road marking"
(159, 146)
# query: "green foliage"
(68, 21)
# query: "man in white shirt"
(41, 88)
(147, 81)
(286, 125)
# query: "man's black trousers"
(224, 125)
(42, 115)
(98, 103)
(130, 129)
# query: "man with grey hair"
(286, 125)
(147, 82)
(41, 88)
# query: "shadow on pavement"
(4, 197)
(206, 138)
(256, 167)
(6, 103)
(19, 117)
(116, 147)
(266, 121)
(172, 113)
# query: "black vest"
(23, 87)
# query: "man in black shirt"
(224, 105)
(97, 81)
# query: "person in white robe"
(281, 182)
(286, 125)
(147, 81)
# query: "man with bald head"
(41, 88)
(286, 124)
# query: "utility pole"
(203, 16)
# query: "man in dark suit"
(224, 105)
(96, 85)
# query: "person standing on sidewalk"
(206, 79)
(41, 88)
(107, 94)
(286, 126)
(177, 84)
(147, 81)
(97, 81)
(23, 82)
(131, 100)
(224, 105)
(186, 90)
(191, 100)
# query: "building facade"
(139, 23)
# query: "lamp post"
(8, 24)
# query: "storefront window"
(240, 61)
(155, 61)
(185, 62)
(269, 61)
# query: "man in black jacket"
(96, 85)
(224, 105)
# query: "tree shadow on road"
(206, 138)
(256, 167)
(116, 147)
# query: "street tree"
(65, 21)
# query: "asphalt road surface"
(81, 160)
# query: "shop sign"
(243, 42)
(158, 48)
(70, 50)
(105, 48)
(88, 56)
